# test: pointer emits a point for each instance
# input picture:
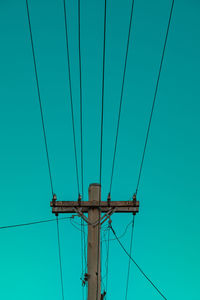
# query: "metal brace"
(101, 221)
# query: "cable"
(154, 99)
(107, 260)
(75, 226)
(103, 85)
(60, 261)
(44, 133)
(129, 263)
(123, 234)
(32, 223)
(121, 98)
(39, 97)
(101, 143)
(83, 242)
(80, 81)
(70, 90)
(82, 252)
(137, 265)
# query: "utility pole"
(93, 252)
(94, 208)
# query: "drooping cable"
(43, 126)
(82, 253)
(154, 99)
(83, 241)
(122, 92)
(122, 235)
(107, 261)
(101, 142)
(60, 261)
(129, 262)
(32, 223)
(139, 268)
(70, 91)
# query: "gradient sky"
(166, 237)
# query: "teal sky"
(167, 229)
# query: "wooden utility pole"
(93, 251)
(94, 207)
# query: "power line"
(103, 86)
(70, 90)
(83, 242)
(108, 248)
(80, 82)
(122, 92)
(101, 143)
(154, 99)
(129, 263)
(139, 268)
(44, 133)
(32, 223)
(60, 261)
(122, 235)
(39, 97)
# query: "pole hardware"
(54, 198)
(108, 199)
(98, 212)
(79, 199)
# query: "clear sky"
(167, 229)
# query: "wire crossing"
(155, 95)
(161, 294)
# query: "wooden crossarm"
(120, 206)
(102, 204)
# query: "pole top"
(94, 184)
(94, 192)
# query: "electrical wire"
(154, 99)
(83, 242)
(107, 261)
(139, 268)
(44, 131)
(147, 136)
(129, 263)
(80, 82)
(82, 252)
(70, 90)
(32, 223)
(39, 97)
(103, 87)
(60, 261)
(121, 97)
(123, 234)
(101, 143)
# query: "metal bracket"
(101, 221)
(79, 212)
